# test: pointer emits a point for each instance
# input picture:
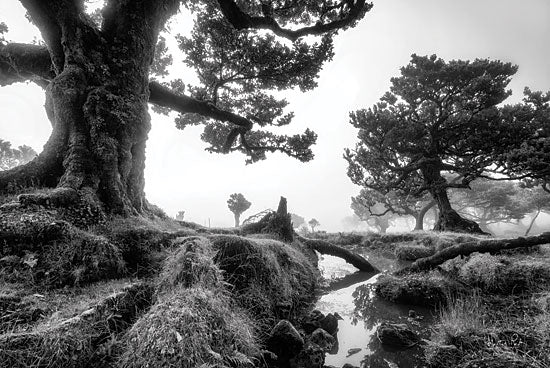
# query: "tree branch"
(24, 62)
(163, 96)
(241, 20)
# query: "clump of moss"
(423, 289)
(192, 264)
(265, 274)
(189, 327)
(499, 274)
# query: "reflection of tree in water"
(372, 311)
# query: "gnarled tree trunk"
(419, 218)
(449, 219)
(96, 102)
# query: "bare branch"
(24, 62)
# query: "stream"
(349, 294)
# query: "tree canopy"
(12, 157)
(238, 204)
(313, 223)
(100, 69)
(442, 117)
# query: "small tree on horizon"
(180, 215)
(238, 204)
(313, 223)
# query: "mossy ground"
(201, 298)
(493, 310)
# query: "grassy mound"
(189, 327)
(424, 289)
(413, 251)
(266, 276)
(482, 331)
(505, 275)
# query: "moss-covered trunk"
(97, 102)
(449, 219)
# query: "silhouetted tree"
(99, 77)
(535, 201)
(437, 118)
(180, 215)
(237, 204)
(313, 223)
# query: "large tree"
(438, 118)
(238, 204)
(98, 74)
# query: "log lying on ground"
(482, 246)
(325, 247)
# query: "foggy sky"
(180, 175)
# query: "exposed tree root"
(482, 246)
(325, 247)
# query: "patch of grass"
(412, 252)
(192, 327)
(505, 275)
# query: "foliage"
(313, 223)
(237, 204)
(371, 206)
(180, 215)
(438, 117)
(240, 70)
(12, 157)
(297, 220)
(490, 202)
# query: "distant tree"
(297, 220)
(536, 201)
(367, 208)
(237, 204)
(12, 157)
(313, 223)
(180, 215)
(490, 202)
(352, 222)
(438, 118)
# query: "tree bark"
(483, 246)
(532, 222)
(419, 218)
(449, 219)
(237, 219)
(96, 102)
(325, 247)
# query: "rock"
(396, 335)
(323, 339)
(285, 341)
(353, 351)
(330, 323)
(412, 313)
(312, 321)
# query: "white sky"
(180, 175)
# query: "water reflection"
(350, 294)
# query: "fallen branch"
(482, 246)
(325, 247)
